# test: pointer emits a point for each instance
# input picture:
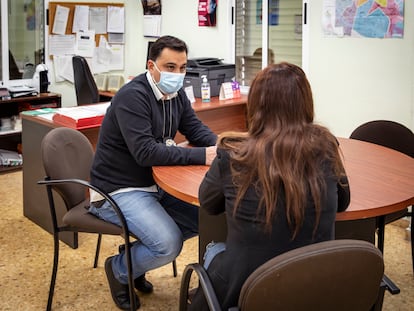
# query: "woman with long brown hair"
(280, 184)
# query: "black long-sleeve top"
(247, 245)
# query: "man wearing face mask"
(137, 133)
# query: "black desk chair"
(332, 275)
(85, 85)
(67, 157)
(400, 138)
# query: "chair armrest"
(125, 231)
(51, 182)
(205, 285)
(386, 284)
(389, 285)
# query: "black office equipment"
(216, 71)
(22, 90)
(85, 85)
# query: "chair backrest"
(67, 153)
(332, 275)
(388, 134)
(85, 85)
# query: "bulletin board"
(72, 6)
(101, 59)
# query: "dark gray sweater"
(132, 133)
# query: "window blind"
(284, 35)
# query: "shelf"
(10, 132)
(12, 139)
(4, 169)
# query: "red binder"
(76, 123)
(81, 117)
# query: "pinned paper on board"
(95, 31)
(97, 19)
(61, 44)
(116, 19)
(61, 20)
(81, 18)
(85, 43)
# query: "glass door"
(274, 26)
(22, 40)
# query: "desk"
(218, 115)
(381, 182)
(221, 115)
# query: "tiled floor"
(27, 251)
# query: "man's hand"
(210, 154)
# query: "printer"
(216, 71)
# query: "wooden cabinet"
(10, 138)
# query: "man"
(137, 133)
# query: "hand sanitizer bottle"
(205, 90)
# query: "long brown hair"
(283, 149)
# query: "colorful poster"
(363, 18)
(207, 12)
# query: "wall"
(179, 19)
(355, 80)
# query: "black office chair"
(332, 275)
(398, 137)
(14, 72)
(85, 85)
(67, 157)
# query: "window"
(22, 39)
(280, 34)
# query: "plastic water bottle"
(205, 90)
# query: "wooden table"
(218, 115)
(381, 182)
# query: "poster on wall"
(207, 12)
(363, 18)
(151, 7)
(152, 17)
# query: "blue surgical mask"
(170, 82)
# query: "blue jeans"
(212, 250)
(159, 220)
